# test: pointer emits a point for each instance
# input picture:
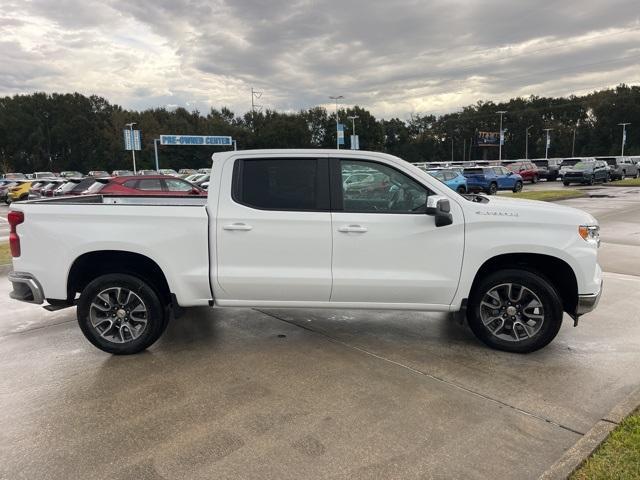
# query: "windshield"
(473, 171)
(583, 166)
(437, 174)
(541, 163)
(570, 161)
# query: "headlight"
(590, 233)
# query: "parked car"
(49, 189)
(5, 185)
(620, 167)
(121, 173)
(149, 185)
(168, 171)
(14, 176)
(548, 168)
(277, 237)
(587, 172)
(206, 171)
(451, 178)
(147, 172)
(568, 163)
(525, 168)
(84, 185)
(71, 173)
(492, 179)
(98, 174)
(39, 175)
(185, 172)
(67, 187)
(19, 192)
(36, 186)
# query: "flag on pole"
(341, 134)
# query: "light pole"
(501, 112)
(133, 147)
(526, 142)
(336, 98)
(546, 149)
(353, 127)
(624, 135)
(155, 151)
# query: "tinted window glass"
(385, 190)
(497, 170)
(130, 183)
(277, 184)
(149, 184)
(177, 185)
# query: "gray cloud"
(392, 57)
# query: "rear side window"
(293, 184)
(150, 184)
(175, 185)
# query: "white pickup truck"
(287, 228)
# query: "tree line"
(74, 132)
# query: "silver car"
(620, 167)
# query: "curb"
(583, 448)
(4, 269)
(619, 186)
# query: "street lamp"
(624, 135)
(336, 98)
(546, 150)
(353, 129)
(526, 142)
(133, 147)
(501, 112)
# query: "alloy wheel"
(512, 312)
(118, 315)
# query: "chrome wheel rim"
(118, 315)
(512, 312)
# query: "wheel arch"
(91, 265)
(555, 270)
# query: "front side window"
(383, 190)
(291, 184)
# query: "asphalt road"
(318, 394)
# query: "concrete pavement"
(316, 394)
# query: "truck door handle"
(352, 229)
(243, 227)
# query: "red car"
(526, 169)
(147, 185)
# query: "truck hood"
(533, 211)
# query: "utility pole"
(546, 150)
(573, 144)
(464, 149)
(336, 98)
(526, 142)
(133, 146)
(452, 148)
(155, 151)
(501, 112)
(624, 135)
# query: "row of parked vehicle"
(129, 185)
(492, 176)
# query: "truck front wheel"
(515, 311)
(121, 314)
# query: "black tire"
(493, 188)
(517, 187)
(591, 180)
(461, 189)
(534, 179)
(566, 184)
(536, 283)
(624, 175)
(156, 314)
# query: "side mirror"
(440, 208)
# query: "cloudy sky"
(393, 57)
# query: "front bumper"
(26, 288)
(587, 303)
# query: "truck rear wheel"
(515, 311)
(121, 314)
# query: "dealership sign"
(489, 139)
(195, 140)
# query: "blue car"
(451, 178)
(492, 179)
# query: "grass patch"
(619, 455)
(5, 254)
(548, 195)
(627, 182)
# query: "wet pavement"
(317, 394)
